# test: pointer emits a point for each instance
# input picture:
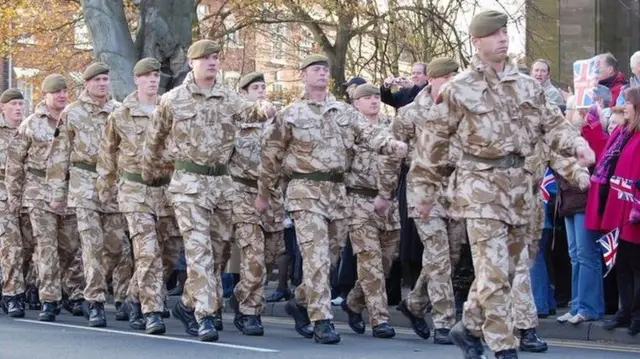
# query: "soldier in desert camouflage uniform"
(492, 116)
(12, 256)
(55, 234)
(105, 248)
(434, 283)
(374, 237)
(199, 117)
(259, 235)
(142, 203)
(309, 141)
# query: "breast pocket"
(304, 133)
(135, 134)
(529, 116)
(184, 123)
(480, 125)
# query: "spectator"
(634, 64)
(408, 89)
(541, 72)
(606, 211)
(610, 76)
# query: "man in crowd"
(610, 76)
(408, 89)
(541, 72)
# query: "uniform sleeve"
(430, 165)
(247, 111)
(388, 175)
(373, 138)
(15, 171)
(401, 127)
(569, 169)
(558, 133)
(60, 159)
(274, 146)
(107, 155)
(156, 136)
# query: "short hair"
(610, 60)
(424, 66)
(634, 60)
(544, 62)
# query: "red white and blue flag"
(585, 79)
(609, 244)
(547, 185)
(624, 187)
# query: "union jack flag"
(585, 78)
(609, 244)
(547, 185)
(624, 187)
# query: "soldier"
(309, 141)
(73, 277)
(492, 117)
(259, 235)
(26, 177)
(142, 203)
(200, 116)
(434, 282)
(105, 248)
(12, 256)
(374, 237)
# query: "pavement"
(70, 338)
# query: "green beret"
(250, 78)
(314, 60)
(441, 66)
(95, 69)
(145, 66)
(53, 83)
(365, 90)
(11, 94)
(487, 22)
(202, 48)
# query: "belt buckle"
(211, 170)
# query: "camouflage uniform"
(374, 238)
(308, 143)
(106, 251)
(142, 203)
(73, 276)
(26, 176)
(489, 125)
(200, 125)
(434, 283)
(259, 235)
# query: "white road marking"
(163, 337)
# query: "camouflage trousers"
(156, 246)
(73, 276)
(495, 249)
(16, 252)
(258, 249)
(525, 313)
(434, 283)
(57, 243)
(374, 250)
(206, 236)
(106, 254)
(319, 240)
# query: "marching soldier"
(309, 141)
(259, 235)
(434, 283)
(12, 254)
(199, 116)
(105, 248)
(492, 116)
(374, 237)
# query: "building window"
(278, 36)
(306, 42)
(277, 87)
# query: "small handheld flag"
(609, 244)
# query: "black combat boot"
(471, 346)
(33, 298)
(507, 354)
(207, 331)
(530, 342)
(325, 333)
(121, 313)
(48, 313)
(217, 320)
(154, 324)
(136, 320)
(181, 278)
(383, 331)
(441, 336)
(187, 317)
(356, 323)
(14, 306)
(249, 325)
(418, 324)
(300, 316)
(97, 318)
(165, 312)
(76, 307)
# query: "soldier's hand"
(399, 148)
(585, 155)
(381, 205)
(262, 204)
(584, 182)
(424, 210)
(268, 109)
(147, 176)
(57, 205)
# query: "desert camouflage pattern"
(80, 133)
(409, 120)
(29, 250)
(170, 243)
(486, 116)
(73, 275)
(222, 234)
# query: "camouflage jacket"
(408, 122)
(6, 135)
(74, 152)
(486, 118)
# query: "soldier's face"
(98, 86)
(256, 91)
(12, 111)
(148, 83)
(316, 76)
(368, 105)
(494, 47)
(206, 67)
(57, 100)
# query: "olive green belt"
(365, 192)
(37, 172)
(319, 176)
(215, 170)
(84, 166)
(246, 182)
(137, 177)
(508, 161)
